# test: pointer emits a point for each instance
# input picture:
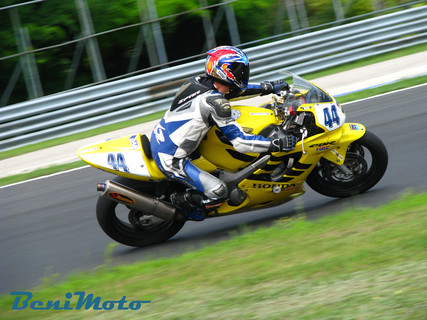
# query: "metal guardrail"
(87, 108)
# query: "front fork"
(350, 133)
(346, 171)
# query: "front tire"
(131, 227)
(366, 158)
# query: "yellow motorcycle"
(334, 158)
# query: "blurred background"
(48, 46)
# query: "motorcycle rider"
(200, 103)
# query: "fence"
(87, 108)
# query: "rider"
(200, 103)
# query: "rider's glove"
(275, 87)
(285, 143)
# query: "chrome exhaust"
(149, 205)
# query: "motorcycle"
(334, 158)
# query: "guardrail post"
(302, 14)
(292, 14)
(157, 32)
(232, 24)
(78, 51)
(207, 26)
(28, 63)
(339, 11)
(92, 43)
(11, 84)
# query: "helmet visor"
(241, 72)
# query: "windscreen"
(309, 91)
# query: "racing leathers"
(197, 107)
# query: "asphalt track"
(48, 226)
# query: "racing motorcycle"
(334, 158)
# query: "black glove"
(276, 87)
(285, 143)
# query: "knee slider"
(221, 191)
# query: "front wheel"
(131, 227)
(367, 160)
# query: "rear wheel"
(367, 160)
(131, 227)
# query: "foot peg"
(194, 199)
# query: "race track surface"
(48, 226)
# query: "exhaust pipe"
(134, 199)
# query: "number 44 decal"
(117, 162)
(331, 116)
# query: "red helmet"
(229, 66)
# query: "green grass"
(41, 172)
(361, 264)
(406, 83)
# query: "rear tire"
(131, 227)
(366, 158)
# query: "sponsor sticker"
(324, 144)
(340, 158)
(158, 132)
(191, 96)
(134, 142)
(260, 113)
(121, 197)
(322, 148)
(282, 186)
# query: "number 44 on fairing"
(333, 117)
(117, 162)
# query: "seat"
(146, 146)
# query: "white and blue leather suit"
(197, 107)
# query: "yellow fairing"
(219, 151)
(263, 194)
(349, 132)
(123, 156)
(330, 145)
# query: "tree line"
(56, 21)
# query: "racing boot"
(194, 204)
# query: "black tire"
(122, 230)
(366, 157)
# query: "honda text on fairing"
(335, 158)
